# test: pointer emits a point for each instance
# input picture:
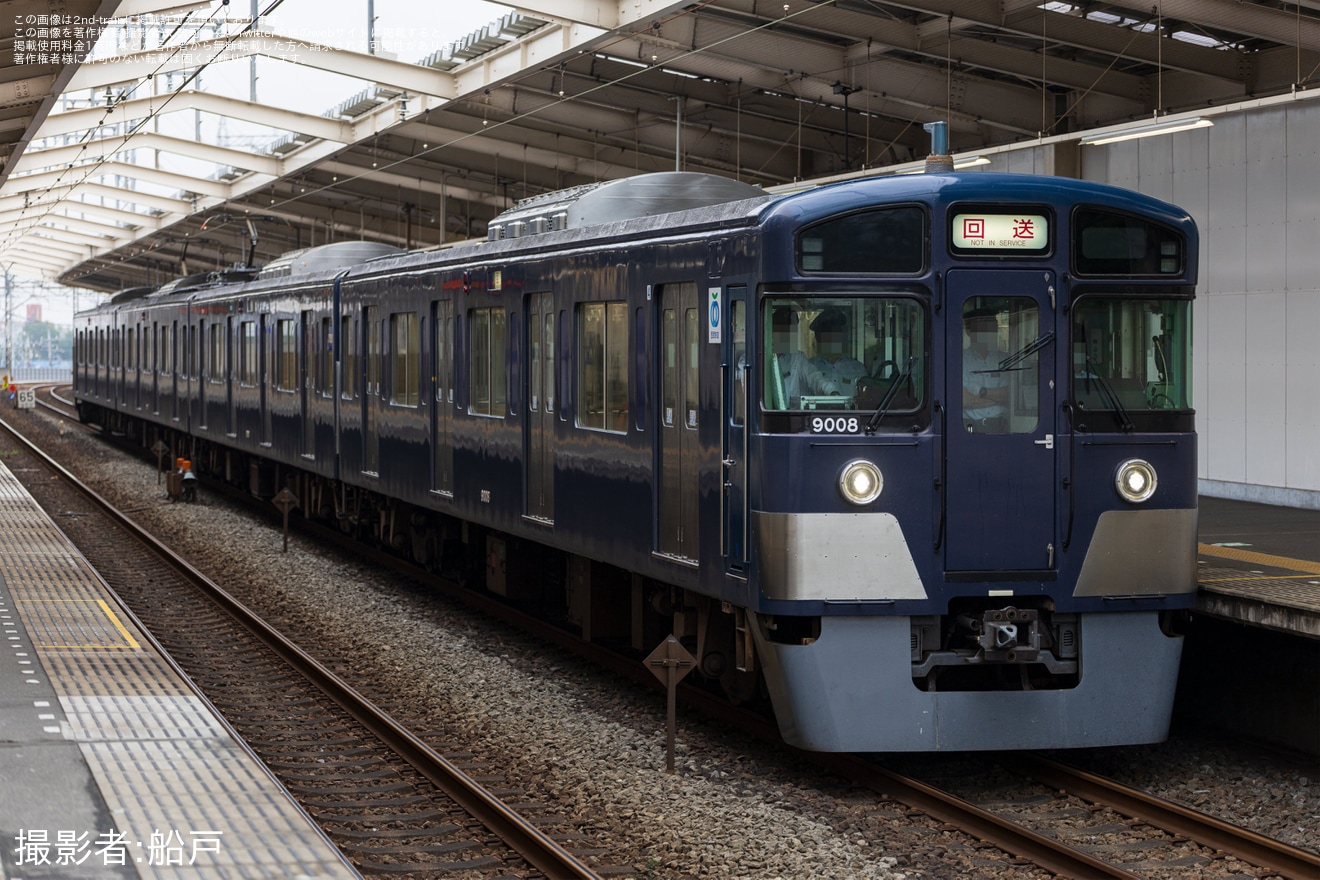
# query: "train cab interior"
(843, 353)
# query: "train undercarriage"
(603, 603)
(977, 646)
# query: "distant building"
(33, 313)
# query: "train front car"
(971, 497)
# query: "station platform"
(111, 765)
(1260, 565)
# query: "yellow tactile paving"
(1285, 562)
(191, 802)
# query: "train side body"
(611, 404)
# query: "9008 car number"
(835, 425)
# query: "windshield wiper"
(890, 392)
(1026, 351)
(1111, 397)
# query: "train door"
(1000, 485)
(442, 413)
(371, 391)
(680, 327)
(307, 357)
(539, 442)
(734, 332)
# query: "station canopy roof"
(187, 142)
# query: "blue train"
(914, 456)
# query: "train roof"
(326, 258)
(981, 187)
(628, 198)
(646, 204)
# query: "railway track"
(1116, 831)
(389, 799)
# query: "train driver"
(985, 388)
(795, 369)
(833, 357)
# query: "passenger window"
(247, 354)
(348, 356)
(327, 383)
(487, 329)
(603, 366)
(286, 355)
(739, 327)
(549, 362)
(669, 381)
(405, 372)
(691, 322)
(217, 362)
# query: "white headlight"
(861, 482)
(1136, 480)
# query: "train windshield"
(843, 353)
(1132, 354)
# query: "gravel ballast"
(592, 749)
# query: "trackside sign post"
(670, 662)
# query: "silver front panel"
(834, 556)
(1140, 553)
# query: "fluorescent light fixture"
(1149, 130)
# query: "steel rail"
(1246, 845)
(538, 849)
(1018, 840)
(1012, 838)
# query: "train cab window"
(1131, 355)
(890, 241)
(1107, 243)
(1000, 357)
(844, 353)
(405, 358)
(602, 342)
(487, 368)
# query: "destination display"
(1001, 232)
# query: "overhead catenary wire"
(154, 113)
